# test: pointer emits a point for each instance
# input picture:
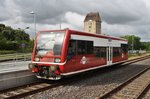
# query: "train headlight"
(37, 59)
(30, 65)
(57, 60)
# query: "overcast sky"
(119, 17)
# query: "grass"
(132, 56)
(7, 51)
(15, 56)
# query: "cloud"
(75, 19)
(118, 17)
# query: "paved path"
(10, 66)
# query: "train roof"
(87, 34)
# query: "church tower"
(92, 23)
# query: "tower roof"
(92, 16)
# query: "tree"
(133, 42)
(12, 39)
(2, 26)
(1, 36)
(145, 46)
(7, 34)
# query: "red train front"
(63, 52)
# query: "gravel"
(134, 88)
(93, 86)
(147, 95)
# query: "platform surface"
(12, 66)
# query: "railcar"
(59, 53)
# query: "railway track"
(38, 87)
(133, 88)
(30, 89)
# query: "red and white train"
(59, 53)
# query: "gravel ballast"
(94, 86)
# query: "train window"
(89, 47)
(100, 51)
(58, 44)
(49, 42)
(81, 47)
(72, 47)
(97, 52)
(103, 52)
(124, 48)
(116, 51)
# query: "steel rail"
(144, 91)
(25, 91)
(121, 86)
(38, 88)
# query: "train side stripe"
(50, 63)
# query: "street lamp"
(34, 16)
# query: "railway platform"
(11, 66)
(15, 73)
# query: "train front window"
(49, 42)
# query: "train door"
(109, 55)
